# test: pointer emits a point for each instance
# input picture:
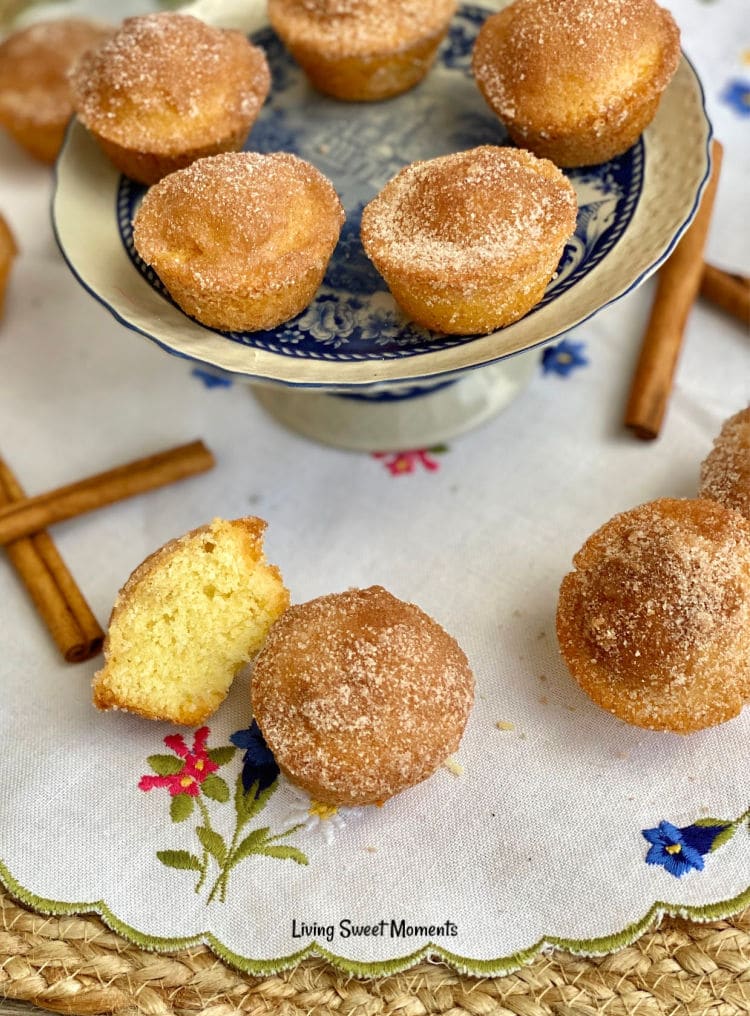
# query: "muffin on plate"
(362, 50)
(360, 695)
(468, 242)
(168, 89)
(654, 622)
(35, 102)
(186, 620)
(576, 81)
(240, 240)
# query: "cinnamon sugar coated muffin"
(468, 242)
(168, 89)
(240, 240)
(360, 695)
(362, 50)
(725, 473)
(186, 620)
(576, 81)
(35, 102)
(654, 623)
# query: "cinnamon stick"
(677, 287)
(57, 598)
(730, 292)
(23, 518)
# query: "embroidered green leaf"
(247, 804)
(179, 859)
(285, 853)
(181, 807)
(716, 822)
(213, 843)
(221, 755)
(250, 844)
(215, 788)
(165, 765)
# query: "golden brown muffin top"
(360, 695)
(661, 584)
(470, 212)
(240, 219)
(357, 27)
(170, 79)
(725, 473)
(34, 65)
(552, 62)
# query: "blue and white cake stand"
(351, 370)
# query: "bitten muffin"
(35, 102)
(468, 242)
(168, 89)
(362, 50)
(241, 240)
(654, 623)
(360, 695)
(725, 473)
(576, 81)
(186, 620)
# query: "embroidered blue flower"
(258, 764)
(680, 850)
(563, 358)
(737, 95)
(211, 380)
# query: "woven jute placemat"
(77, 965)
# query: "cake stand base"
(401, 417)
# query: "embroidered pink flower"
(398, 463)
(188, 777)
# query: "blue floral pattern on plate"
(354, 316)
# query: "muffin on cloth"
(654, 623)
(168, 89)
(468, 242)
(360, 695)
(186, 620)
(241, 240)
(576, 81)
(362, 50)
(35, 101)
(725, 472)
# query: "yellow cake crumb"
(187, 620)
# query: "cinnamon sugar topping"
(474, 210)
(725, 474)
(546, 60)
(360, 695)
(170, 77)
(341, 28)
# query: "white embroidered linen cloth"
(536, 835)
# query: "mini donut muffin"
(576, 81)
(187, 619)
(168, 89)
(725, 473)
(240, 240)
(360, 695)
(468, 242)
(35, 103)
(654, 623)
(362, 50)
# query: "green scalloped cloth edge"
(463, 964)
